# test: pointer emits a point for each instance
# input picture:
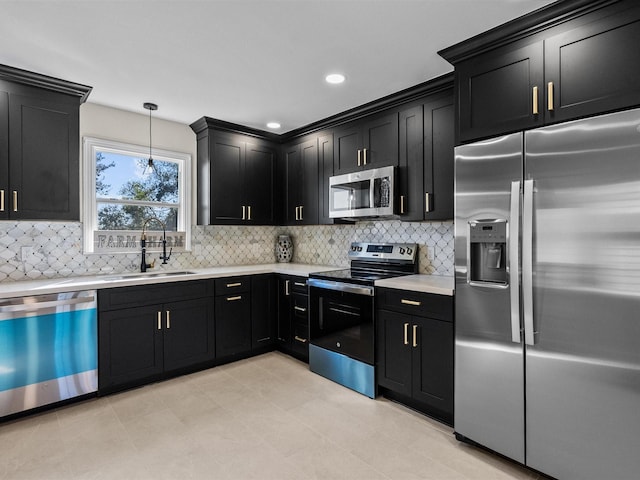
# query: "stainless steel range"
(341, 312)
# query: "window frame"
(91, 146)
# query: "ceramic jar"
(284, 249)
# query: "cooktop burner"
(355, 276)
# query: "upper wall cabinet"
(236, 177)
(568, 60)
(39, 146)
(368, 143)
(302, 200)
(425, 173)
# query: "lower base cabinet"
(415, 350)
(233, 316)
(293, 316)
(146, 332)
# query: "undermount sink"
(148, 275)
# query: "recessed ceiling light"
(273, 125)
(334, 78)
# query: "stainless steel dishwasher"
(48, 349)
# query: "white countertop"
(438, 284)
(442, 285)
(90, 282)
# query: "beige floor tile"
(263, 418)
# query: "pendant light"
(151, 107)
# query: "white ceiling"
(243, 61)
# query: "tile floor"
(266, 417)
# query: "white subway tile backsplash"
(55, 249)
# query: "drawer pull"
(300, 309)
(410, 302)
(415, 335)
(233, 299)
(229, 285)
(300, 339)
(406, 334)
(299, 284)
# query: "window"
(122, 194)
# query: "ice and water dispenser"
(488, 252)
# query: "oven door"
(341, 318)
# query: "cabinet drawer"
(125, 297)
(232, 285)
(300, 304)
(299, 285)
(416, 303)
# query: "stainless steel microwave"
(367, 193)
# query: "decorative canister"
(284, 249)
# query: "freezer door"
(583, 369)
(489, 368)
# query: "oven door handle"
(342, 287)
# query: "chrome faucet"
(143, 244)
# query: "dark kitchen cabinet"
(293, 316)
(236, 179)
(233, 316)
(414, 353)
(574, 63)
(302, 182)
(325, 164)
(264, 305)
(496, 91)
(426, 149)
(368, 143)
(39, 146)
(150, 331)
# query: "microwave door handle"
(372, 196)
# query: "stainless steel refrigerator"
(547, 346)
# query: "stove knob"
(401, 251)
(338, 344)
(409, 251)
(359, 249)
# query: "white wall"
(113, 124)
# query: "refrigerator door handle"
(514, 261)
(527, 262)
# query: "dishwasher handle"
(50, 301)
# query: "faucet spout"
(143, 245)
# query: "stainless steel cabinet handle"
(364, 156)
(401, 203)
(1, 200)
(237, 284)
(300, 309)
(550, 96)
(286, 288)
(168, 319)
(427, 202)
(243, 213)
(159, 320)
(358, 157)
(233, 299)
(415, 336)
(299, 284)
(15, 201)
(527, 262)
(411, 302)
(535, 100)
(300, 339)
(406, 334)
(513, 255)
